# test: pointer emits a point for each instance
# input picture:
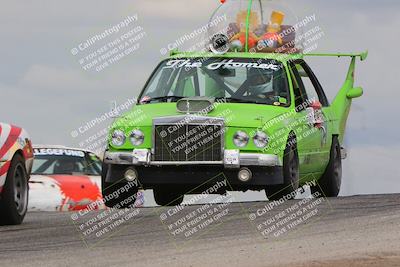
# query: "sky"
(45, 89)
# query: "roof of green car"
(276, 56)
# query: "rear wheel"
(167, 197)
(14, 199)
(330, 182)
(290, 174)
(119, 195)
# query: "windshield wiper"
(239, 100)
(163, 98)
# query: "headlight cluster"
(260, 139)
(136, 138)
(118, 138)
(241, 139)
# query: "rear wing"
(363, 56)
(350, 74)
(342, 102)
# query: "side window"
(298, 88)
(280, 84)
(307, 83)
(310, 84)
(94, 164)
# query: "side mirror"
(113, 109)
(355, 92)
(282, 100)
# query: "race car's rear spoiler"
(342, 102)
(363, 56)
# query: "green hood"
(236, 114)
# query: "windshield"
(65, 162)
(242, 80)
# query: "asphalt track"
(348, 231)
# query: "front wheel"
(167, 197)
(14, 199)
(290, 174)
(330, 182)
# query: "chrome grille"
(188, 142)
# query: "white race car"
(65, 179)
(16, 159)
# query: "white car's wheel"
(14, 198)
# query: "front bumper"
(232, 159)
(266, 170)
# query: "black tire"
(290, 173)
(167, 196)
(329, 183)
(113, 196)
(14, 198)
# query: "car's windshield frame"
(90, 167)
(143, 99)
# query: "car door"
(299, 124)
(318, 118)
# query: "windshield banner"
(58, 152)
(225, 64)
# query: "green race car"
(254, 120)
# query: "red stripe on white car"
(10, 141)
(5, 132)
(13, 139)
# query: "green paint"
(363, 56)
(248, 25)
(355, 92)
(276, 121)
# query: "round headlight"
(241, 139)
(136, 137)
(118, 138)
(260, 139)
